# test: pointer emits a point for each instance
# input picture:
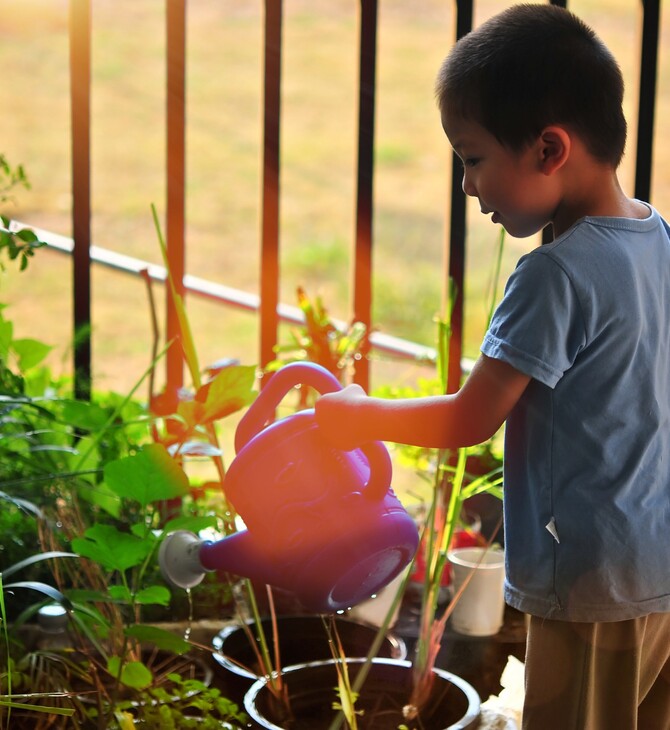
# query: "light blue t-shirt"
(587, 447)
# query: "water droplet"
(189, 627)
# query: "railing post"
(80, 96)
(457, 231)
(269, 283)
(647, 101)
(362, 273)
(548, 231)
(176, 165)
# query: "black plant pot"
(302, 639)
(453, 704)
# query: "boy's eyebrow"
(459, 142)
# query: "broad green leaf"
(30, 352)
(162, 639)
(120, 594)
(230, 391)
(112, 549)
(192, 412)
(100, 495)
(27, 235)
(193, 524)
(153, 595)
(132, 674)
(85, 415)
(149, 476)
(78, 595)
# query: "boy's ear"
(554, 148)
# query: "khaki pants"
(598, 676)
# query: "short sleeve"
(538, 327)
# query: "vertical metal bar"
(362, 273)
(457, 233)
(80, 96)
(647, 101)
(269, 296)
(548, 231)
(176, 180)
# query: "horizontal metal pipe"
(229, 296)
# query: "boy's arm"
(350, 418)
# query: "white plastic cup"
(480, 608)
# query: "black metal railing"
(269, 306)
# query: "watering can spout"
(243, 555)
(184, 558)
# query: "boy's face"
(509, 184)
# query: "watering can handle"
(305, 373)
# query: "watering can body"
(320, 522)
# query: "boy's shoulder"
(601, 229)
(602, 248)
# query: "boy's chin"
(522, 230)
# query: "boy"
(576, 362)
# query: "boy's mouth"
(495, 215)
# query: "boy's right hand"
(338, 415)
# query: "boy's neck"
(592, 189)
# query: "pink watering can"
(321, 522)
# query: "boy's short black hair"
(531, 66)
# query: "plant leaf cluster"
(322, 341)
(16, 243)
(91, 479)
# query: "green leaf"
(230, 391)
(22, 504)
(78, 595)
(6, 334)
(120, 594)
(133, 674)
(35, 559)
(27, 235)
(193, 524)
(47, 590)
(162, 639)
(149, 476)
(112, 549)
(30, 352)
(85, 415)
(63, 711)
(100, 495)
(153, 595)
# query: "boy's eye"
(470, 161)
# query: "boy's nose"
(468, 187)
